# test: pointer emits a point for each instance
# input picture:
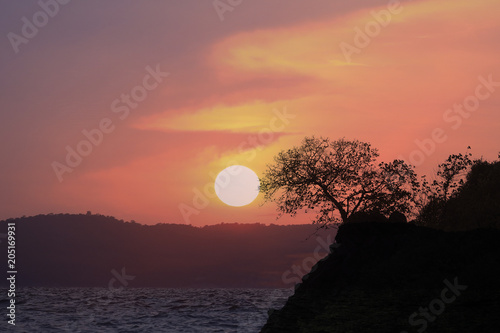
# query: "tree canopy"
(336, 179)
(464, 196)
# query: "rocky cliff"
(383, 277)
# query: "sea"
(142, 310)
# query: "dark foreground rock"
(385, 277)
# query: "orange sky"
(265, 77)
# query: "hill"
(383, 277)
(80, 250)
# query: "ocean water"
(143, 310)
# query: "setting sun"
(237, 185)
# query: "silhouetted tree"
(449, 179)
(475, 203)
(449, 176)
(338, 178)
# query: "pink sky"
(229, 86)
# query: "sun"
(237, 185)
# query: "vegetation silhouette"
(379, 276)
(464, 203)
(341, 182)
(338, 178)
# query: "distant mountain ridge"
(80, 250)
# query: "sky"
(131, 109)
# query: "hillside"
(83, 250)
(381, 277)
